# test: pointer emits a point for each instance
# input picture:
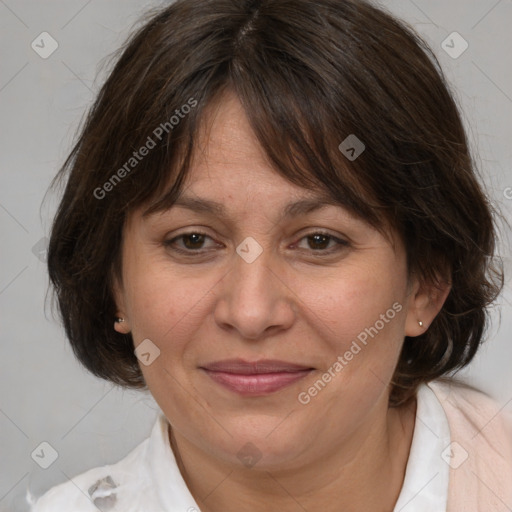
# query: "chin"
(259, 443)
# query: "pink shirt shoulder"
(480, 455)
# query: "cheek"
(169, 310)
(355, 301)
(359, 326)
(359, 321)
(162, 302)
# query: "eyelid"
(169, 241)
(340, 243)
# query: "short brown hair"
(308, 74)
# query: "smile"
(259, 384)
(256, 378)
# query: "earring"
(119, 320)
(421, 323)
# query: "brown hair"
(308, 74)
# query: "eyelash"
(340, 243)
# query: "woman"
(273, 223)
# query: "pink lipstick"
(255, 378)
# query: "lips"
(242, 367)
(257, 377)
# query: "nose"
(254, 298)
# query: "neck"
(363, 472)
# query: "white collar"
(425, 487)
(169, 484)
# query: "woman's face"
(316, 289)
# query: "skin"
(345, 446)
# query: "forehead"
(228, 158)
(226, 138)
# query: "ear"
(121, 321)
(425, 302)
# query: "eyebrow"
(296, 208)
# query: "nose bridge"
(251, 270)
(253, 298)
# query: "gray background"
(45, 394)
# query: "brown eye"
(192, 243)
(318, 241)
(193, 240)
(323, 243)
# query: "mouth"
(255, 378)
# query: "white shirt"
(149, 480)
(425, 487)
